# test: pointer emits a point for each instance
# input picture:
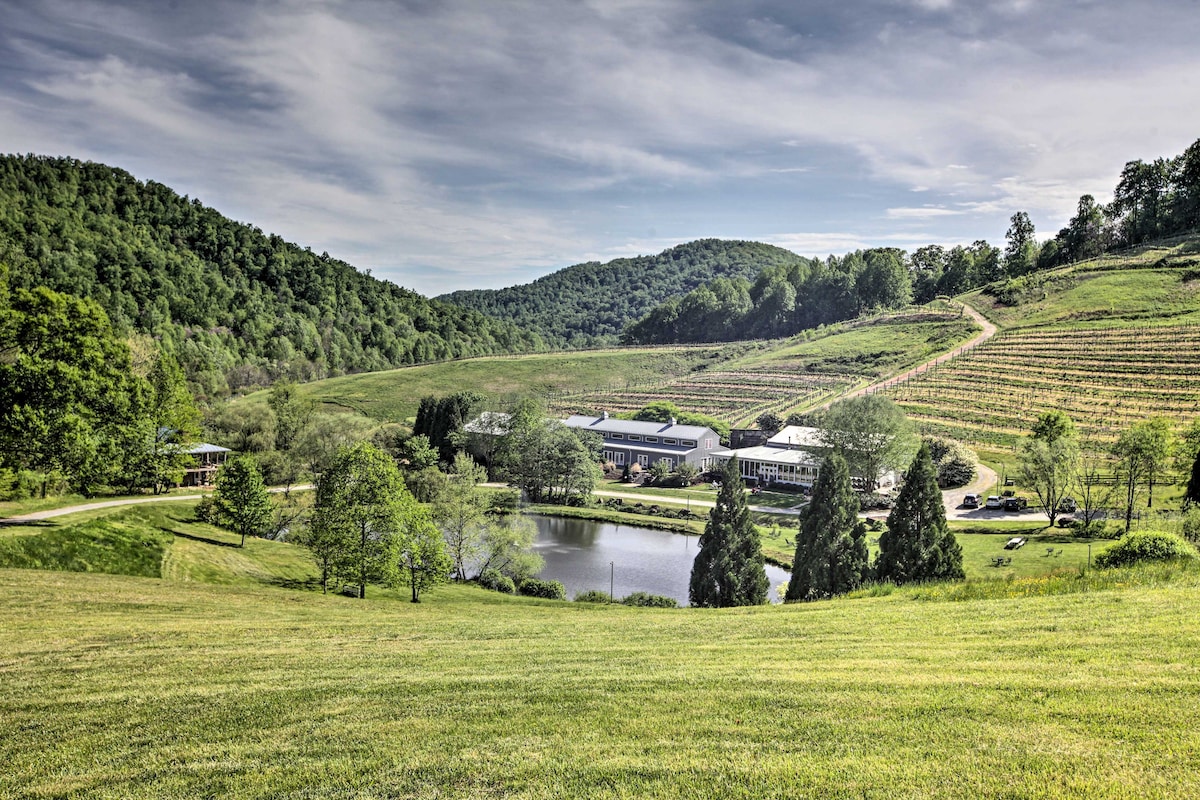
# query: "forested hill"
(589, 304)
(237, 307)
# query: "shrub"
(1142, 546)
(496, 581)
(207, 511)
(549, 590)
(1191, 525)
(645, 600)
(593, 596)
(505, 502)
(955, 463)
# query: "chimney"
(604, 415)
(672, 420)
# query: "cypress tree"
(831, 547)
(918, 545)
(728, 570)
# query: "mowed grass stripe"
(120, 687)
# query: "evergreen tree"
(831, 548)
(1191, 497)
(918, 545)
(728, 570)
(241, 498)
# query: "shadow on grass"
(27, 523)
(307, 584)
(195, 538)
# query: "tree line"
(235, 307)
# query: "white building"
(792, 457)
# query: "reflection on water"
(584, 554)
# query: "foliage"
(440, 419)
(361, 507)
(508, 549)
(954, 461)
(831, 545)
(870, 432)
(419, 550)
(917, 545)
(241, 500)
(547, 590)
(593, 596)
(769, 422)
(646, 600)
(783, 300)
(70, 402)
(1049, 460)
(292, 413)
(548, 461)
(728, 569)
(95, 545)
(459, 510)
(417, 453)
(495, 580)
(1142, 546)
(587, 305)
(1142, 452)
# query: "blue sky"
(448, 145)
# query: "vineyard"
(1105, 379)
(786, 377)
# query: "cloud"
(459, 143)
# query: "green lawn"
(120, 687)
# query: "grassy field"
(718, 379)
(120, 687)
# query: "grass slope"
(138, 688)
(734, 382)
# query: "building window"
(708, 444)
(620, 459)
(687, 443)
(634, 437)
(670, 441)
(644, 460)
(618, 436)
(652, 439)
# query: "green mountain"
(237, 307)
(588, 305)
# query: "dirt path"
(989, 330)
(129, 501)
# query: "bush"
(1142, 546)
(207, 511)
(548, 590)
(955, 463)
(496, 581)
(1191, 525)
(505, 502)
(593, 596)
(645, 600)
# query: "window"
(688, 443)
(652, 439)
(620, 458)
(633, 437)
(618, 436)
(644, 460)
(670, 441)
(708, 444)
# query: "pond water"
(579, 553)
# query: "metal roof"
(797, 436)
(774, 455)
(605, 424)
(205, 447)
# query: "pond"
(580, 553)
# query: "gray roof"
(627, 426)
(205, 447)
(493, 423)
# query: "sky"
(451, 144)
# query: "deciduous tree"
(1048, 460)
(870, 432)
(241, 499)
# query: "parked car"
(1067, 505)
(1015, 504)
(993, 502)
(1015, 543)
(971, 501)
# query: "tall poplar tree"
(831, 547)
(729, 569)
(918, 545)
